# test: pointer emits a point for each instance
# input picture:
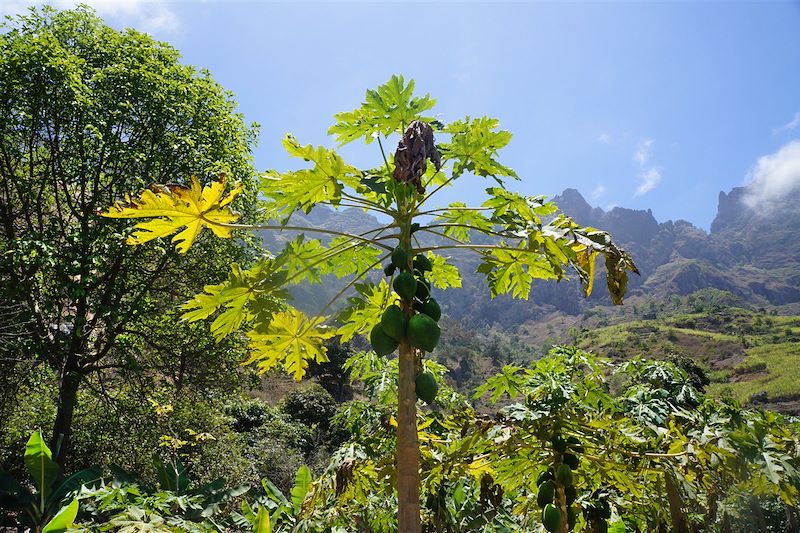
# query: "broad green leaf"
(386, 110)
(287, 192)
(174, 207)
(64, 519)
(302, 484)
(247, 294)
(41, 467)
(262, 524)
(474, 145)
(459, 221)
(349, 256)
(513, 270)
(513, 209)
(301, 260)
(443, 275)
(365, 309)
(290, 338)
(510, 381)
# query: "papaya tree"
(523, 238)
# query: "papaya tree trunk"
(679, 522)
(407, 444)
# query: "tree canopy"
(88, 113)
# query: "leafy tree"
(86, 114)
(528, 240)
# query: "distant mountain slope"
(752, 254)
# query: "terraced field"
(751, 355)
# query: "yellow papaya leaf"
(173, 207)
(292, 339)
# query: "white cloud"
(774, 176)
(604, 138)
(649, 178)
(598, 191)
(143, 15)
(643, 152)
(789, 126)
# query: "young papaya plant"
(523, 238)
(44, 509)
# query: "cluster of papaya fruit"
(416, 319)
(597, 512)
(557, 479)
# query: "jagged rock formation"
(750, 253)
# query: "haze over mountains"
(750, 252)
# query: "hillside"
(723, 298)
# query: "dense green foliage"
(153, 405)
(86, 114)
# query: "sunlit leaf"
(173, 207)
(386, 110)
(292, 339)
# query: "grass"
(777, 373)
(746, 352)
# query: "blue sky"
(642, 105)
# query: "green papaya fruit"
(405, 286)
(400, 258)
(551, 517)
(426, 387)
(423, 291)
(572, 494)
(432, 309)
(382, 343)
(544, 476)
(414, 227)
(604, 510)
(574, 444)
(571, 518)
(422, 263)
(571, 460)
(602, 526)
(423, 332)
(389, 269)
(564, 475)
(394, 322)
(559, 444)
(546, 494)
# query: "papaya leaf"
(350, 257)
(513, 271)
(173, 207)
(386, 110)
(443, 275)
(461, 221)
(473, 147)
(303, 189)
(290, 338)
(365, 309)
(247, 294)
(41, 467)
(64, 519)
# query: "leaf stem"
(258, 227)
